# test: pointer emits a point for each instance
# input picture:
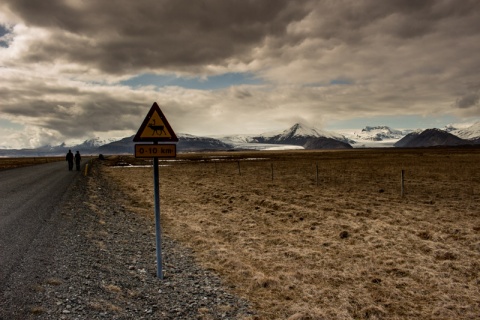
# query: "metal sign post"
(155, 128)
(158, 229)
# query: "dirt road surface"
(71, 250)
(29, 224)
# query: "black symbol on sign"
(156, 129)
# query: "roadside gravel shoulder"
(105, 267)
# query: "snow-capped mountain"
(299, 136)
(297, 132)
(470, 133)
(304, 136)
(380, 133)
(374, 136)
(377, 133)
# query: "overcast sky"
(77, 69)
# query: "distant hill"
(188, 142)
(325, 143)
(405, 141)
(430, 138)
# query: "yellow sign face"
(155, 151)
(155, 128)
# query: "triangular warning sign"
(155, 127)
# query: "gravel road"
(101, 265)
(29, 197)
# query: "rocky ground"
(103, 266)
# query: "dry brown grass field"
(10, 163)
(344, 246)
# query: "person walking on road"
(77, 160)
(69, 158)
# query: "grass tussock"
(37, 310)
(340, 244)
(54, 281)
(104, 306)
(112, 288)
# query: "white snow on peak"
(472, 132)
(185, 135)
(374, 136)
(376, 133)
(299, 129)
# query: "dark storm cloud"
(468, 101)
(358, 23)
(242, 93)
(127, 37)
(99, 116)
(72, 109)
(121, 36)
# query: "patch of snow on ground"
(265, 146)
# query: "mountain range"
(299, 136)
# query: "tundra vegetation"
(337, 242)
(10, 163)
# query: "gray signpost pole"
(158, 228)
(155, 128)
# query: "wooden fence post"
(402, 182)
